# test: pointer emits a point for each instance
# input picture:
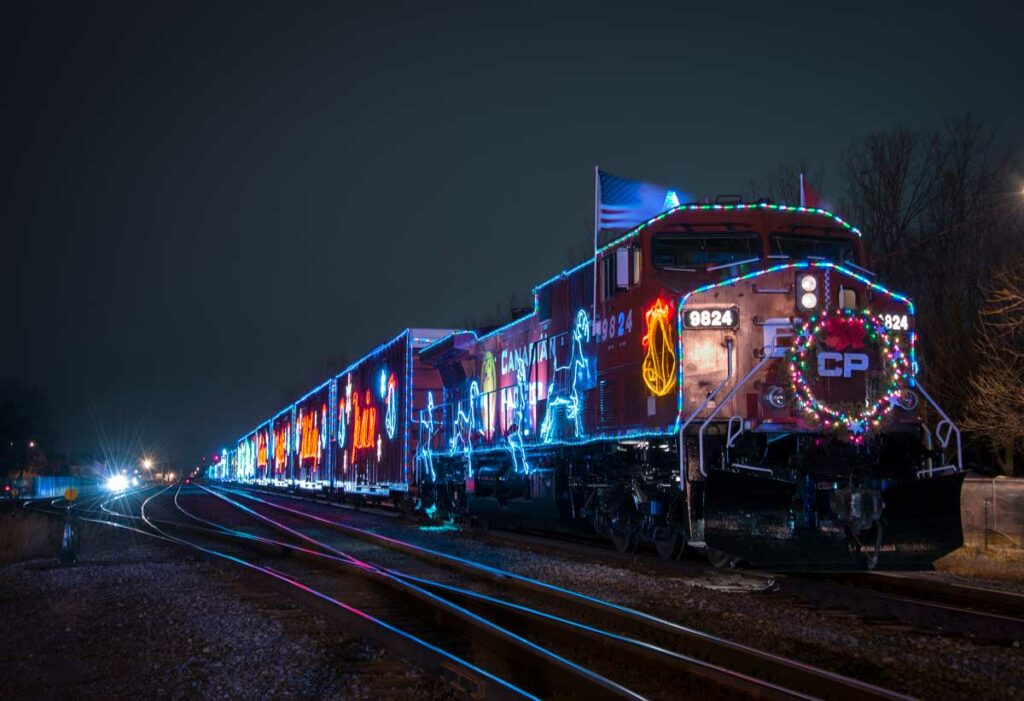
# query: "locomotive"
(729, 377)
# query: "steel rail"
(929, 605)
(585, 680)
(661, 659)
(785, 672)
(463, 675)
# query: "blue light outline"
(798, 265)
(465, 422)
(578, 361)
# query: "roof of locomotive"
(684, 212)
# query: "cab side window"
(620, 270)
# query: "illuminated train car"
(246, 468)
(352, 435)
(377, 400)
(727, 376)
(280, 448)
(310, 442)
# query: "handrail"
(947, 422)
(711, 395)
(726, 400)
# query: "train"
(729, 378)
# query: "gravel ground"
(727, 604)
(133, 618)
(185, 628)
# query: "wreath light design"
(848, 329)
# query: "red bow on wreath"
(842, 333)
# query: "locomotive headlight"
(808, 283)
(775, 397)
(808, 300)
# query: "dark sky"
(201, 206)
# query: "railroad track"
(878, 597)
(551, 675)
(159, 520)
(679, 657)
(929, 605)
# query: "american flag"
(623, 203)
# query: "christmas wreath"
(839, 331)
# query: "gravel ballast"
(134, 618)
(730, 605)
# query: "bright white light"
(808, 300)
(147, 463)
(808, 283)
(117, 483)
(135, 481)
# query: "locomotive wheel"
(670, 542)
(625, 533)
(626, 542)
(720, 560)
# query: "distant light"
(31, 444)
(135, 481)
(117, 483)
(147, 463)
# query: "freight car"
(727, 376)
(349, 436)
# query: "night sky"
(202, 207)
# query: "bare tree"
(937, 220)
(783, 183)
(889, 178)
(994, 411)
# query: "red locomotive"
(726, 376)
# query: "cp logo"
(831, 364)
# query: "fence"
(992, 511)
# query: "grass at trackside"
(24, 535)
(998, 561)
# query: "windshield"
(693, 251)
(834, 249)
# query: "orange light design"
(365, 423)
(309, 428)
(281, 446)
(659, 368)
(261, 449)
